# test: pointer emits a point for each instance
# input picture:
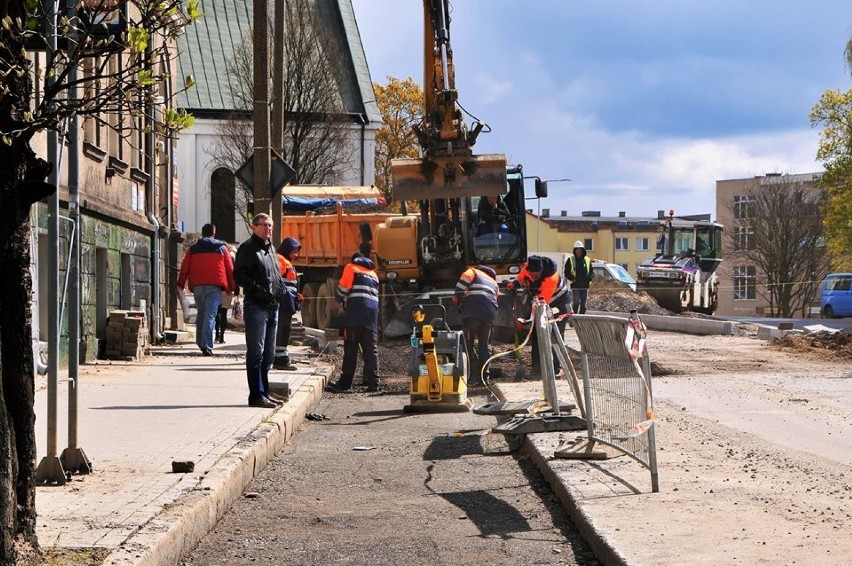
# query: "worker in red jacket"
(209, 269)
(541, 277)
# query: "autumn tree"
(401, 105)
(834, 113)
(315, 124)
(41, 90)
(778, 229)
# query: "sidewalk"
(135, 419)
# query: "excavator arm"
(448, 168)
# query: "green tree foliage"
(401, 105)
(834, 113)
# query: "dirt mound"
(609, 295)
(835, 343)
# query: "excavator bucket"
(449, 177)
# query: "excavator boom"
(448, 168)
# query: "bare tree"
(315, 123)
(779, 231)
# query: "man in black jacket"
(256, 271)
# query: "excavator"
(420, 256)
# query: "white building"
(204, 50)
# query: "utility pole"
(49, 470)
(261, 109)
(278, 106)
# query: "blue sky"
(644, 105)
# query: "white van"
(836, 295)
(613, 271)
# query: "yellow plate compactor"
(438, 365)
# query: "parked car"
(613, 271)
(836, 295)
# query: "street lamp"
(540, 193)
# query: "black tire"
(325, 305)
(828, 312)
(309, 304)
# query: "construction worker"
(477, 293)
(358, 289)
(491, 213)
(578, 270)
(288, 251)
(541, 277)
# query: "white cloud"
(643, 112)
(491, 89)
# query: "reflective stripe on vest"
(561, 291)
(480, 294)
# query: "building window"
(642, 244)
(621, 244)
(745, 277)
(742, 204)
(587, 243)
(743, 238)
(92, 124)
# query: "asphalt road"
(369, 484)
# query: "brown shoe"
(278, 398)
(263, 403)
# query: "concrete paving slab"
(135, 419)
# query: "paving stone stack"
(127, 335)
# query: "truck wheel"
(309, 305)
(325, 305)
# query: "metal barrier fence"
(617, 386)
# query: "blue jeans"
(261, 326)
(206, 306)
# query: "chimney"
(591, 213)
(622, 214)
(545, 213)
(661, 214)
(564, 213)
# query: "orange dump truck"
(328, 224)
